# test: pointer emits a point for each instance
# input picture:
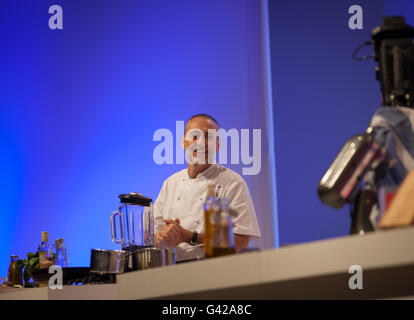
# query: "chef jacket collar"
(204, 175)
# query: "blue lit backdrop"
(79, 106)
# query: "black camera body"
(394, 51)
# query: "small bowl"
(41, 275)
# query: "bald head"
(209, 120)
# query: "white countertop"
(312, 270)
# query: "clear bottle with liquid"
(211, 208)
(45, 252)
(60, 258)
(222, 242)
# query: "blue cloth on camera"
(393, 129)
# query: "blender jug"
(136, 221)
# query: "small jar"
(223, 242)
(14, 273)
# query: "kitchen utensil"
(136, 221)
(109, 261)
(145, 258)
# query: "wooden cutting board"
(401, 210)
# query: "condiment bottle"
(210, 209)
(14, 275)
(222, 242)
(61, 259)
(45, 252)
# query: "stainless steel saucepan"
(146, 258)
(109, 261)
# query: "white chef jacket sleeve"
(158, 209)
(240, 201)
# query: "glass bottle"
(223, 243)
(210, 209)
(45, 252)
(61, 258)
(14, 275)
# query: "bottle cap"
(210, 191)
(45, 236)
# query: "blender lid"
(135, 198)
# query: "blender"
(136, 232)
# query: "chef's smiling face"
(201, 141)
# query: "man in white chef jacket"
(178, 210)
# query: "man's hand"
(240, 242)
(172, 234)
